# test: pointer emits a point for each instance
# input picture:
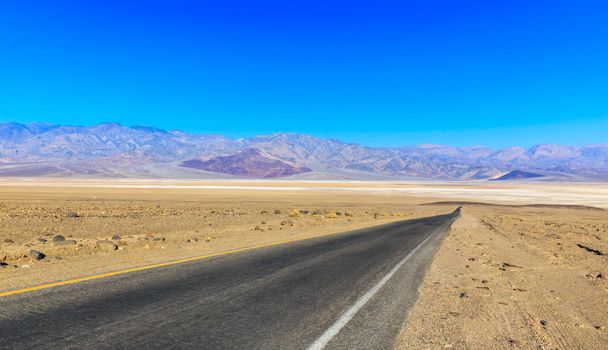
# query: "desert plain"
(523, 267)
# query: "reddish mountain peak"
(248, 162)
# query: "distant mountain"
(249, 162)
(518, 175)
(112, 149)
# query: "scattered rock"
(41, 240)
(58, 238)
(317, 212)
(192, 240)
(10, 241)
(36, 254)
(257, 228)
(305, 212)
(544, 322)
(264, 212)
(339, 213)
(106, 246)
(159, 239)
(263, 222)
(277, 211)
(349, 214)
(72, 214)
(287, 222)
(116, 238)
(463, 295)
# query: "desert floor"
(507, 276)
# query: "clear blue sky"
(495, 73)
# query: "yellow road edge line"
(153, 266)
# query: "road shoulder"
(497, 285)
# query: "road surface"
(346, 291)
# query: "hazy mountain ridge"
(110, 147)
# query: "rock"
(264, 212)
(591, 250)
(544, 322)
(287, 222)
(257, 228)
(116, 238)
(72, 214)
(58, 238)
(192, 240)
(505, 264)
(3, 264)
(263, 222)
(36, 255)
(41, 240)
(66, 242)
(339, 213)
(277, 212)
(106, 246)
(463, 295)
(10, 241)
(159, 239)
(317, 212)
(349, 214)
(305, 212)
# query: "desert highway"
(351, 290)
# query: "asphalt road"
(346, 291)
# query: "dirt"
(526, 281)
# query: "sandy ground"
(164, 224)
(505, 277)
(516, 278)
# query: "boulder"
(36, 254)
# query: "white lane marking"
(335, 328)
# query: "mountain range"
(115, 150)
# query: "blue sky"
(494, 73)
